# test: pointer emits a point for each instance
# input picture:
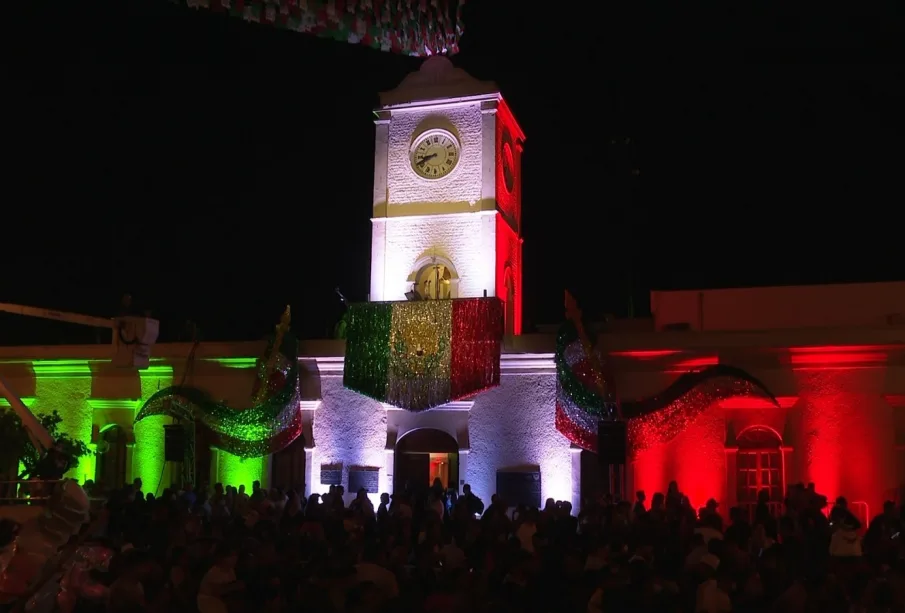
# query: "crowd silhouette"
(434, 550)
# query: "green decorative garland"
(578, 391)
(265, 428)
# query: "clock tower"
(447, 192)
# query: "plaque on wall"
(364, 478)
(519, 488)
(331, 474)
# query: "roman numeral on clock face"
(434, 154)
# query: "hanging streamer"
(268, 426)
(655, 420)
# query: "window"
(759, 468)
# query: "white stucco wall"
(423, 217)
(508, 428)
(512, 427)
(464, 184)
(349, 429)
(468, 240)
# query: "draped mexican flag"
(419, 355)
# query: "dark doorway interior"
(204, 440)
(593, 479)
(288, 467)
(111, 458)
(424, 455)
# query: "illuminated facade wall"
(840, 424)
(468, 221)
(462, 188)
(511, 428)
(420, 220)
(509, 140)
(833, 355)
(508, 428)
(349, 429)
(92, 396)
(404, 245)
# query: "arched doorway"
(759, 466)
(287, 467)
(110, 467)
(424, 455)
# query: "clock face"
(508, 167)
(435, 154)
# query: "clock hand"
(425, 159)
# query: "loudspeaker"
(612, 443)
(174, 443)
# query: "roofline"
(757, 288)
(441, 102)
(889, 337)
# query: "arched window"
(110, 468)
(760, 467)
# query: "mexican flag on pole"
(420, 355)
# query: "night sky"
(219, 170)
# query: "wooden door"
(288, 467)
(412, 469)
(110, 466)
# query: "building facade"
(840, 422)
(446, 224)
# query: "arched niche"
(422, 455)
(431, 272)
